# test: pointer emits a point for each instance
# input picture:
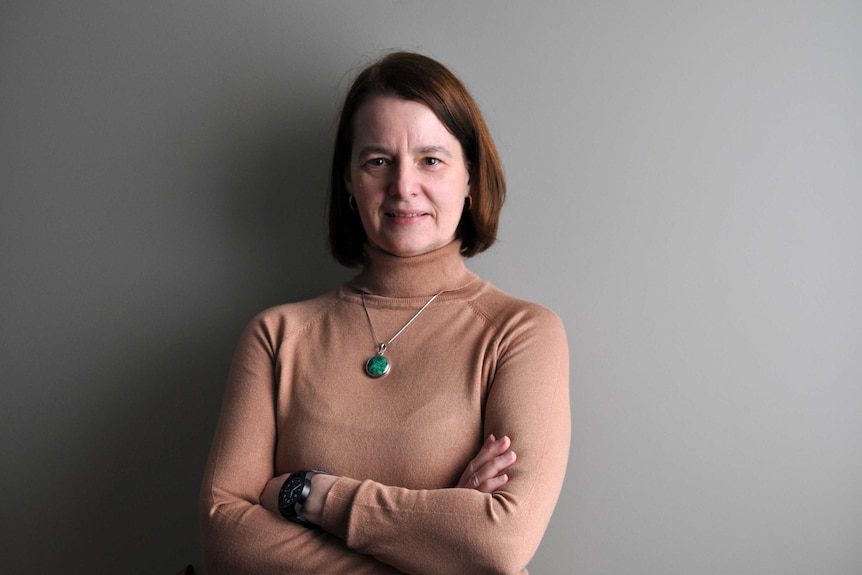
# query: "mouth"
(405, 214)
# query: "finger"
(476, 472)
(491, 469)
(499, 464)
(492, 448)
(493, 484)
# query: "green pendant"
(377, 366)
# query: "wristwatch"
(294, 492)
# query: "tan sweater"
(475, 362)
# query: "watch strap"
(291, 507)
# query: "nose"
(404, 181)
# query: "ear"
(347, 183)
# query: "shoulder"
(512, 315)
(276, 323)
(525, 336)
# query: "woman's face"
(408, 175)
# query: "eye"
(431, 161)
(376, 162)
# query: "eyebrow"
(436, 150)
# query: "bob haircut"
(415, 77)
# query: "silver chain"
(382, 346)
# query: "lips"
(405, 214)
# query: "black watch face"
(291, 492)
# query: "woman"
(416, 419)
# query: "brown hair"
(420, 79)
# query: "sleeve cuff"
(336, 509)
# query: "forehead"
(383, 118)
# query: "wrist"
(312, 509)
(294, 495)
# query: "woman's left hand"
(485, 472)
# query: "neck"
(423, 275)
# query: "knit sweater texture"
(477, 361)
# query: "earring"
(351, 201)
(468, 203)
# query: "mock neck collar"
(424, 275)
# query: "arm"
(465, 530)
(484, 473)
(368, 525)
(238, 535)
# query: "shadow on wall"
(126, 496)
(279, 185)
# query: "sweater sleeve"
(462, 530)
(238, 535)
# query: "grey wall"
(686, 192)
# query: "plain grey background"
(685, 192)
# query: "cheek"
(365, 186)
(351, 179)
(454, 210)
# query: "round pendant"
(377, 366)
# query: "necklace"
(377, 365)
